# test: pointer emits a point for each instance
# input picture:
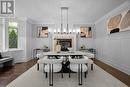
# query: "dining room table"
(65, 55)
(68, 53)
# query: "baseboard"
(121, 68)
(22, 60)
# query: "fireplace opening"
(65, 44)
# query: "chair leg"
(85, 74)
(46, 74)
(69, 71)
(80, 74)
(51, 74)
(69, 74)
(91, 66)
(38, 66)
(87, 70)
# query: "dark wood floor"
(8, 74)
(115, 72)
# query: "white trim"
(117, 66)
(3, 34)
(15, 50)
(7, 36)
(11, 50)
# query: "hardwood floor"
(8, 74)
(115, 72)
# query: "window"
(13, 34)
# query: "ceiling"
(80, 11)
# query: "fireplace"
(65, 44)
(64, 41)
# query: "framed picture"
(85, 32)
(118, 23)
(42, 32)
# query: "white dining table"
(67, 53)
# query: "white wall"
(40, 42)
(88, 42)
(24, 51)
(29, 40)
(113, 49)
(0, 34)
(25, 41)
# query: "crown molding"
(120, 8)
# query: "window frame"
(17, 35)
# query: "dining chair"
(78, 65)
(40, 61)
(52, 65)
(89, 62)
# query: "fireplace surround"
(65, 40)
(65, 43)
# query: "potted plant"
(45, 46)
(82, 47)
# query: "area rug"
(96, 78)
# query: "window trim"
(8, 36)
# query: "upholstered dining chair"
(41, 59)
(78, 65)
(89, 62)
(52, 65)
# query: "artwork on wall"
(42, 32)
(125, 24)
(85, 32)
(118, 23)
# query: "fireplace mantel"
(56, 37)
